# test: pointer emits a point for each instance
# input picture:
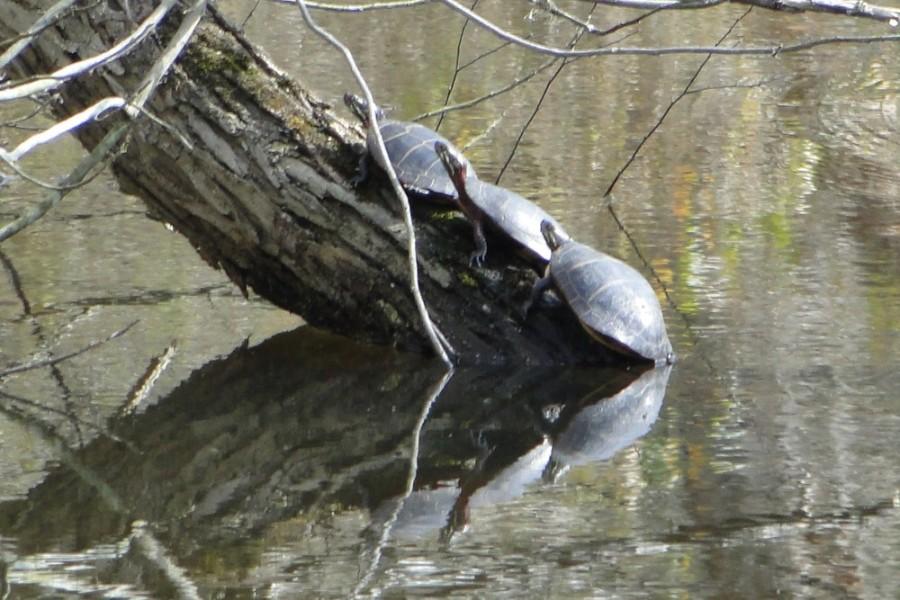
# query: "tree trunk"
(265, 194)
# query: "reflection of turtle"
(518, 218)
(614, 303)
(410, 148)
(597, 430)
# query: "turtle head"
(456, 167)
(551, 235)
(360, 108)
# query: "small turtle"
(410, 148)
(613, 302)
(508, 212)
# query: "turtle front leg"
(476, 259)
(362, 170)
(540, 285)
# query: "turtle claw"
(476, 259)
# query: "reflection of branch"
(38, 364)
(144, 540)
(438, 342)
(144, 385)
(76, 421)
(433, 394)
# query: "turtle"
(613, 302)
(505, 210)
(410, 148)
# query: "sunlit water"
(763, 465)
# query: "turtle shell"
(514, 215)
(612, 300)
(410, 147)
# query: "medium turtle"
(613, 302)
(410, 148)
(508, 212)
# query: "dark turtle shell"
(514, 215)
(612, 300)
(410, 147)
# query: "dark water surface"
(274, 462)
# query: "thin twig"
(359, 8)
(608, 199)
(60, 76)
(574, 41)
(662, 51)
(456, 67)
(134, 108)
(492, 94)
(92, 113)
(383, 159)
(48, 17)
(78, 177)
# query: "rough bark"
(265, 195)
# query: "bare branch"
(60, 76)
(456, 67)
(91, 113)
(76, 178)
(38, 364)
(609, 199)
(572, 43)
(430, 329)
(511, 85)
(659, 4)
(851, 8)
(666, 112)
(48, 17)
(662, 51)
(167, 58)
(359, 8)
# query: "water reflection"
(289, 430)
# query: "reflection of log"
(265, 196)
(302, 421)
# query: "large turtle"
(410, 148)
(510, 213)
(613, 302)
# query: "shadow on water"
(301, 425)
